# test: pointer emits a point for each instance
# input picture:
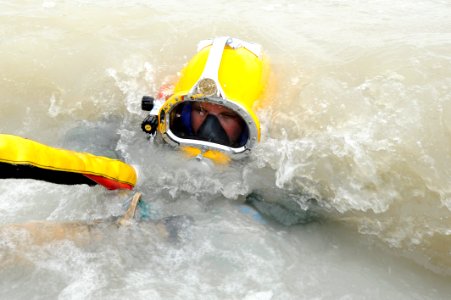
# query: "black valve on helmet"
(150, 123)
(147, 103)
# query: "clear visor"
(206, 123)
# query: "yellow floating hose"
(24, 158)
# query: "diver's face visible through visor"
(216, 123)
(210, 122)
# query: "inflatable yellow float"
(24, 158)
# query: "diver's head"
(210, 112)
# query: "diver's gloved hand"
(172, 228)
(281, 213)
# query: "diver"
(210, 114)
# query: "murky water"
(359, 117)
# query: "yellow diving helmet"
(210, 113)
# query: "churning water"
(359, 116)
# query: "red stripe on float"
(109, 183)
